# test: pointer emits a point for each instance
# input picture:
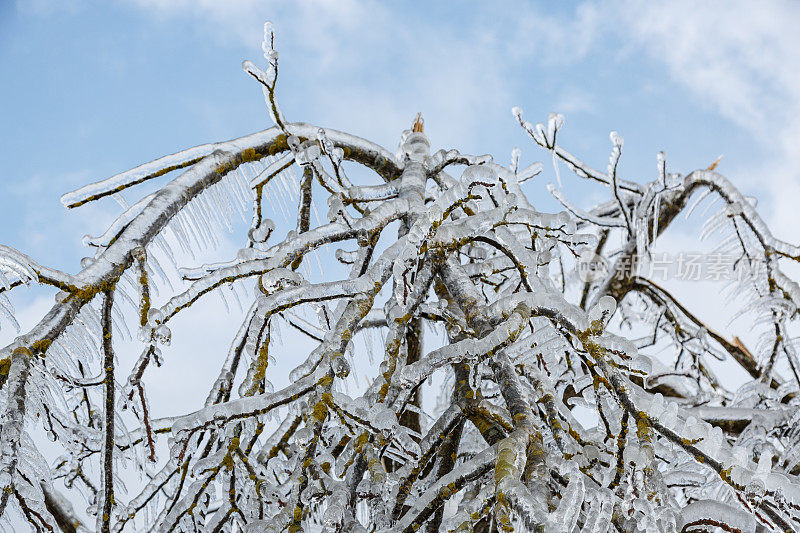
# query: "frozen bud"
(741, 455)
(713, 440)
(336, 207)
(755, 491)
(345, 257)
(303, 436)
(410, 375)
(435, 160)
(453, 330)
(641, 365)
(604, 309)
(607, 304)
(266, 78)
(631, 454)
(435, 212)
(478, 174)
(308, 151)
(361, 403)
(326, 458)
(339, 365)
(561, 218)
(86, 262)
(278, 279)
(669, 417)
(555, 121)
(616, 140)
(144, 333)
(163, 335)
(591, 452)
(269, 33)
(262, 232)
(383, 418)
(246, 254)
(510, 201)
(154, 316)
(364, 488)
(517, 112)
(294, 142)
(474, 252)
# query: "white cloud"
(532, 34)
(392, 61)
(736, 58)
(741, 60)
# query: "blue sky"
(91, 88)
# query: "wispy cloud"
(735, 58)
(742, 62)
(398, 59)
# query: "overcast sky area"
(92, 88)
